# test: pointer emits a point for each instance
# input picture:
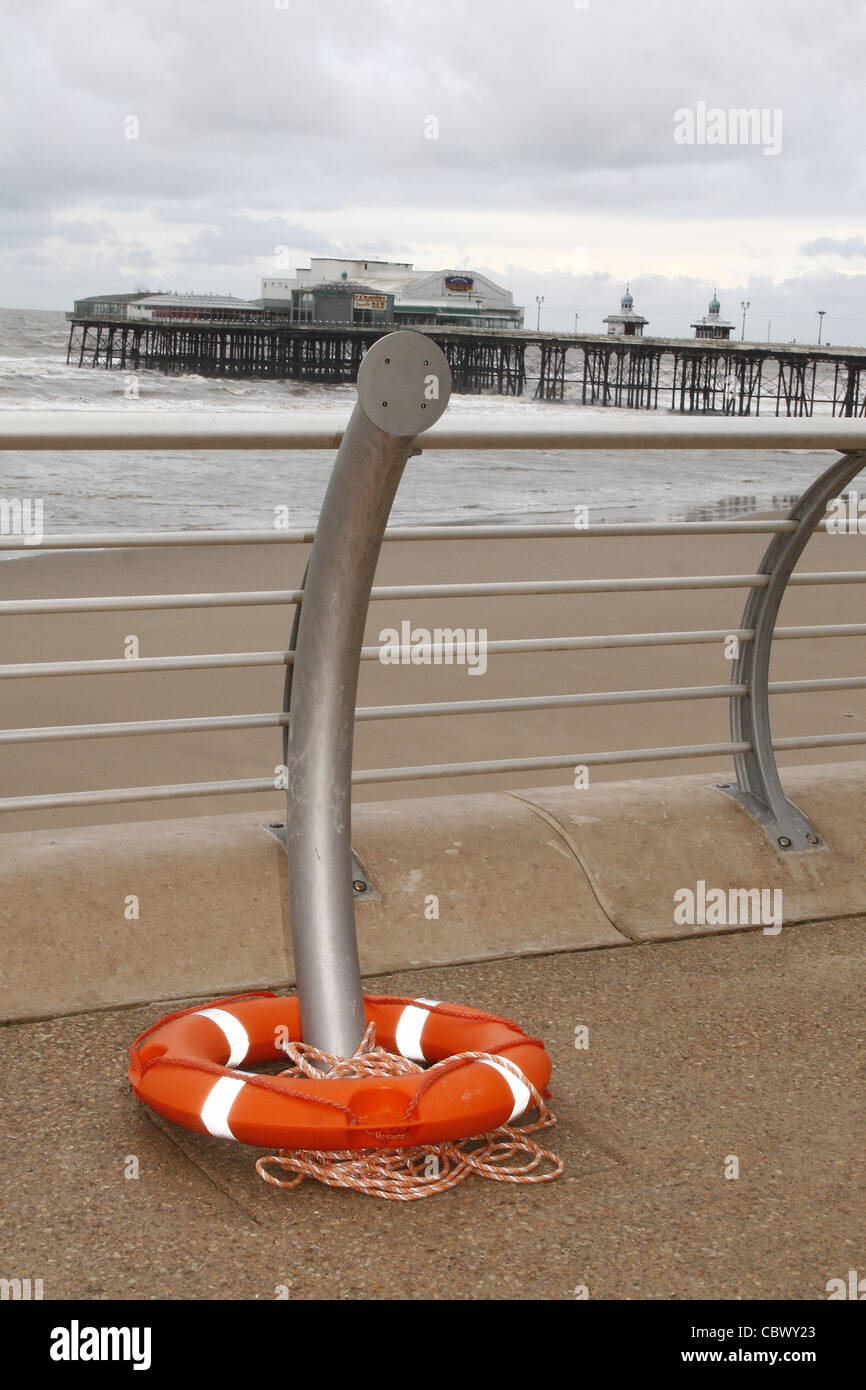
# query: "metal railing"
(113, 430)
(372, 453)
(556, 428)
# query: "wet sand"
(196, 757)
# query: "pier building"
(420, 298)
(342, 301)
(626, 324)
(169, 308)
(712, 325)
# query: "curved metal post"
(758, 786)
(404, 385)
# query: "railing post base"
(790, 832)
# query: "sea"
(175, 490)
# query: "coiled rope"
(408, 1174)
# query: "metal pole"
(759, 787)
(404, 385)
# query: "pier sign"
(459, 284)
(370, 301)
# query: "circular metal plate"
(404, 383)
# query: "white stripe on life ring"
(215, 1111)
(410, 1026)
(519, 1088)
(234, 1031)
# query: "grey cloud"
(847, 247)
(80, 231)
(282, 99)
(671, 303)
(239, 239)
(249, 109)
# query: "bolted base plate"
(362, 888)
(795, 835)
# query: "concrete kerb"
(641, 842)
(106, 916)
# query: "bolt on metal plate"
(404, 383)
(362, 888)
(798, 835)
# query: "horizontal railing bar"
(221, 660)
(210, 724)
(388, 593)
(514, 588)
(496, 765)
(58, 733)
(52, 733)
(806, 686)
(130, 603)
(626, 755)
(625, 639)
(516, 703)
(669, 694)
(118, 795)
(132, 540)
(296, 429)
(422, 773)
(113, 540)
(817, 741)
(824, 577)
(216, 661)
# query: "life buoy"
(188, 1068)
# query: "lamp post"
(745, 305)
(821, 313)
(576, 317)
(539, 299)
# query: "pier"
(684, 375)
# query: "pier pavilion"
(712, 325)
(626, 324)
(421, 299)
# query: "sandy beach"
(192, 757)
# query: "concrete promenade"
(740, 1044)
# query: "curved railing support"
(404, 385)
(758, 786)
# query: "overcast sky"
(557, 164)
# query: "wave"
(177, 491)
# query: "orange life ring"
(188, 1066)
